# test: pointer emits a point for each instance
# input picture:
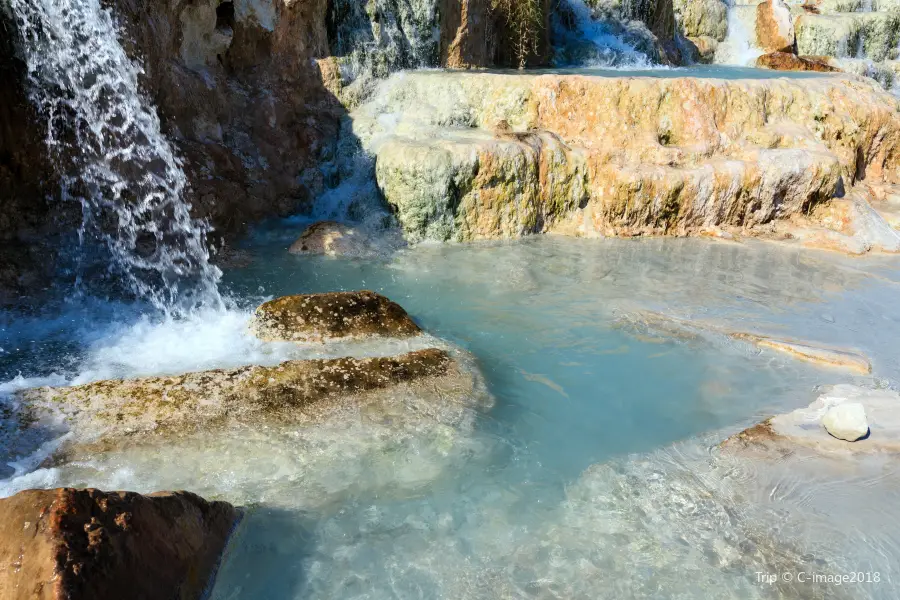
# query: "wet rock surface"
(87, 544)
(784, 61)
(850, 408)
(774, 26)
(316, 317)
(293, 391)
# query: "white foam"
(739, 47)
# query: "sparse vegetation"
(525, 21)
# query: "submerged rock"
(294, 391)
(69, 544)
(878, 410)
(658, 324)
(846, 421)
(317, 317)
(333, 239)
(821, 355)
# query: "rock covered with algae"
(299, 391)
(317, 317)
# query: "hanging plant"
(525, 22)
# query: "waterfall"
(584, 40)
(114, 160)
(739, 47)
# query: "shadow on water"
(266, 555)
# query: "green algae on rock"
(318, 317)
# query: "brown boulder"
(774, 26)
(86, 544)
(315, 317)
(785, 61)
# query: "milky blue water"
(596, 473)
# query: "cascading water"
(115, 160)
(585, 41)
(739, 47)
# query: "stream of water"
(114, 159)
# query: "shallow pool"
(595, 475)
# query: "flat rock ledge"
(820, 355)
(659, 324)
(805, 428)
(299, 391)
(320, 317)
(71, 544)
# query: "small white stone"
(846, 421)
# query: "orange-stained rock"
(69, 544)
(622, 156)
(774, 26)
(332, 315)
(784, 61)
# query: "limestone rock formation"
(474, 156)
(870, 35)
(70, 544)
(846, 421)
(468, 34)
(850, 225)
(805, 427)
(702, 18)
(784, 61)
(774, 26)
(316, 317)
